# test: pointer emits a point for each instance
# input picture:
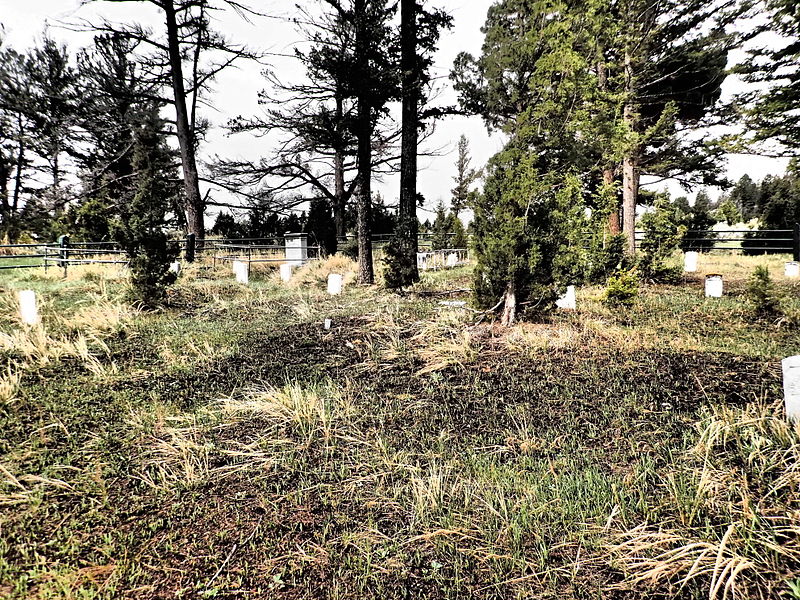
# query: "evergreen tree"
(141, 230)
(745, 197)
(440, 230)
(462, 194)
(321, 227)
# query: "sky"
(236, 90)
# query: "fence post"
(796, 242)
(190, 246)
(63, 253)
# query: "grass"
(229, 446)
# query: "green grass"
(231, 447)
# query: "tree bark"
(193, 203)
(339, 206)
(510, 306)
(630, 163)
(613, 216)
(407, 223)
(366, 275)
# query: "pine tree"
(141, 230)
(462, 194)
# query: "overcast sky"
(236, 89)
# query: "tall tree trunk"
(510, 306)
(613, 225)
(366, 275)
(630, 163)
(613, 216)
(339, 205)
(407, 225)
(193, 207)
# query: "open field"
(231, 447)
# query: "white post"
(690, 262)
(713, 285)
(286, 272)
(241, 271)
(175, 267)
(791, 386)
(792, 269)
(334, 284)
(27, 307)
(568, 300)
(296, 245)
(327, 324)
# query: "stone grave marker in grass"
(714, 286)
(334, 284)
(690, 262)
(286, 272)
(792, 269)
(568, 300)
(240, 269)
(28, 311)
(791, 386)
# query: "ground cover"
(231, 447)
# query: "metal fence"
(745, 241)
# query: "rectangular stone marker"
(334, 284)
(327, 323)
(27, 307)
(175, 267)
(296, 248)
(792, 269)
(286, 272)
(690, 262)
(568, 300)
(241, 272)
(713, 286)
(452, 259)
(791, 386)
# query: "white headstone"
(713, 286)
(327, 323)
(452, 259)
(286, 272)
(334, 284)
(27, 307)
(296, 245)
(792, 269)
(241, 272)
(690, 262)
(791, 386)
(175, 267)
(568, 300)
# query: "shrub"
(762, 294)
(662, 236)
(622, 288)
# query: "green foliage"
(320, 227)
(227, 227)
(93, 220)
(663, 234)
(728, 212)
(622, 288)
(401, 267)
(698, 219)
(762, 294)
(516, 231)
(141, 231)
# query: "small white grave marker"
(690, 262)
(568, 300)
(334, 284)
(713, 285)
(175, 267)
(792, 269)
(286, 272)
(327, 323)
(791, 386)
(452, 259)
(241, 272)
(27, 307)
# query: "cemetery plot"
(274, 441)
